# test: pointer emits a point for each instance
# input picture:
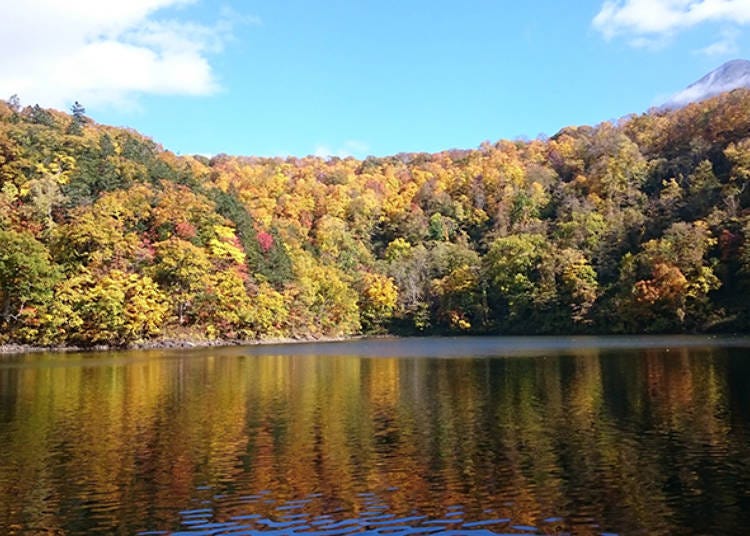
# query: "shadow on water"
(549, 436)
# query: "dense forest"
(642, 225)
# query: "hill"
(638, 226)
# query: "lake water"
(469, 436)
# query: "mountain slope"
(632, 227)
(733, 74)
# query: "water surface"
(431, 436)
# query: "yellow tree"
(27, 277)
(320, 301)
(378, 296)
(115, 309)
(181, 269)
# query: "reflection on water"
(587, 440)
(373, 517)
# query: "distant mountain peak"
(733, 74)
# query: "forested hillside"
(638, 226)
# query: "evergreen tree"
(79, 119)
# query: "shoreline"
(563, 341)
(167, 344)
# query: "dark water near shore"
(437, 436)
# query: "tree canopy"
(639, 225)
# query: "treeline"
(638, 226)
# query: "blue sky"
(361, 77)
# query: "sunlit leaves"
(321, 301)
(268, 312)
(630, 225)
(117, 308)
(533, 283)
(181, 268)
(27, 277)
(378, 298)
(670, 279)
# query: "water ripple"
(207, 522)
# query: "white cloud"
(104, 53)
(725, 46)
(355, 148)
(646, 21)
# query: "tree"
(14, 103)
(79, 119)
(666, 286)
(114, 309)
(409, 267)
(461, 300)
(520, 278)
(107, 233)
(181, 268)
(225, 307)
(577, 289)
(27, 277)
(378, 296)
(703, 189)
(40, 116)
(535, 286)
(268, 311)
(321, 301)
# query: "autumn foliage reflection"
(630, 441)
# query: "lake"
(473, 436)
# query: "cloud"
(725, 46)
(652, 21)
(104, 53)
(355, 148)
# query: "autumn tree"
(181, 269)
(666, 286)
(378, 296)
(633, 225)
(27, 279)
(114, 309)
